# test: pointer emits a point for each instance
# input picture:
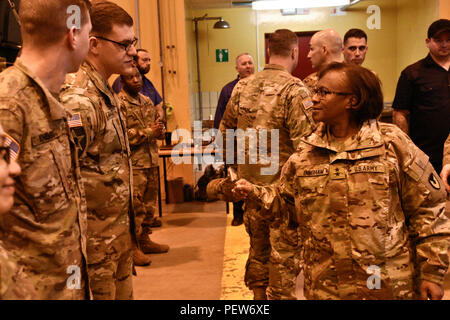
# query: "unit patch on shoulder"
(434, 182)
(75, 121)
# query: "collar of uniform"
(98, 81)
(275, 67)
(131, 99)
(364, 144)
(56, 110)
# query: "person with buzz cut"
(100, 132)
(46, 227)
(324, 47)
(245, 68)
(355, 46)
(277, 105)
(144, 128)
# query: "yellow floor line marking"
(234, 259)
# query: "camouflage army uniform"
(311, 81)
(373, 202)
(14, 285)
(270, 99)
(46, 227)
(140, 115)
(100, 131)
(446, 159)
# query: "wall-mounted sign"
(221, 55)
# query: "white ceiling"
(211, 4)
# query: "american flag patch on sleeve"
(307, 103)
(75, 121)
(14, 147)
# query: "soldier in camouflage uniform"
(13, 282)
(144, 127)
(274, 102)
(369, 205)
(324, 47)
(46, 227)
(100, 131)
(445, 173)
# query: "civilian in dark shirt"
(245, 68)
(143, 64)
(423, 93)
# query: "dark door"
(304, 67)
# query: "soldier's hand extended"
(430, 290)
(445, 175)
(242, 189)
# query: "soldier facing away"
(272, 102)
(46, 227)
(100, 132)
(144, 127)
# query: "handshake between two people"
(228, 190)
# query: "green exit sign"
(221, 55)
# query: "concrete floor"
(206, 259)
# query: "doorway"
(304, 67)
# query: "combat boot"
(259, 293)
(148, 246)
(140, 259)
(156, 223)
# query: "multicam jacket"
(370, 212)
(46, 228)
(100, 131)
(311, 81)
(446, 159)
(273, 107)
(14, 285)
(140, 115)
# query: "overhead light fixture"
(289, 4)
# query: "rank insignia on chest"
(337, 173)
(75, 121)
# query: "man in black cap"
(423, 94)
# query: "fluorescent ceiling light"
(289, 4)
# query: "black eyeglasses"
(125, 45)
(5, 154)
(322, 92)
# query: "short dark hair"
(141, 50)
(106, 14)
(44, 22)
(355, 33)
(281, 42)
(364, 85)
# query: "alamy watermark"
(74, 19)
(74, 280)
(374, 281)
(255, 141)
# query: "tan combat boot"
(140, 259)
(259, 293)
(148, 246)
